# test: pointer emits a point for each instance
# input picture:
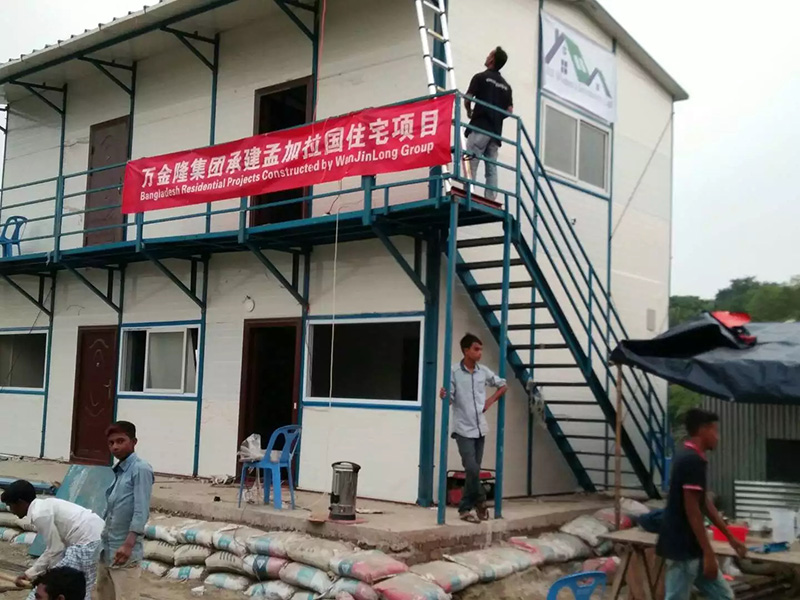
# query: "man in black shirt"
(683, 540)
(489, 87)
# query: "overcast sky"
(736, 206)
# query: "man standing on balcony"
(468, 382)
(491, 88)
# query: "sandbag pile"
(14, 530)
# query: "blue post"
(48, 362)
(433, 266)
(501, 405)
(457, 139)
(213, 120)
(119, 330)
(448, 360)
(303, 342)
(132, 106)
(60, 182)
(242, 219)
(201, 343)
(367, 182)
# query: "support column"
(447, 362)
(49, 355)
(501, 404)
(201, 344)
(430, 397)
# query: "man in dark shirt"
(683, 540)
(489, 87)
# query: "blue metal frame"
(201, 361)
(430, 354)
(364, 405)
(47, 363)
(444, 440)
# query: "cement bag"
(369, 566)
(226, 581)
(25, 539)
(305, 596)
(341, 596)
(607, 515)
(226, 562)
(192, 554)
(200, 532)
(542, 553)
(165, 528)
(234, 539)
(589, 529)
(495, 563)
(358, 590)
(160, 551)
(410, 587)
(264, 567)
(315, 552)
(605, 565)
(566, 547)
(27, 524)
(273, 543)
(154, 568)
(187, 573)
(7, 534)
(7, 519)
(271, 590)
(633, 508)
(449, 576)
(303, 576)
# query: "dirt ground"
(529, 585)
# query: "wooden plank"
(638, 537)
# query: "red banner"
(368, 142)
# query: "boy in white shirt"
(71, 532)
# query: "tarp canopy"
(705, 356)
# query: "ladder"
(436, 69)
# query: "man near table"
(683, 540)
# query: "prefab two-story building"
(337, 306)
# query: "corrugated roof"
(153, 15)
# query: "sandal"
(483, 512)
(468, 517)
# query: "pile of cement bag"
(293, 566)
(14, 530)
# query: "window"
(371, 360)
(782, 464)
(22, 360)
(160, 360)
(576, 148)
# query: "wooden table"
(637, 541)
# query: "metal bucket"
(344, 490)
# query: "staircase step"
(513, 306)
(538, 347)
(488, 264)
(561, 383)
(583, 437)
(586, 453)
(550, 365)
(574, 420)
(598, 470)
(571, 402)
(485, 287)
(478, 242)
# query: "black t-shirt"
(489, 87)
(677, 540)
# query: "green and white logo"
(577, 69)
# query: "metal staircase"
(562, 323)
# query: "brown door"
(95, 382)
(277, 108)
(108, 145)
(270, 377)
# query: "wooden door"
(108, 145)
(95, 383)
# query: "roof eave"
(626, 41)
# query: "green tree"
(686, 308)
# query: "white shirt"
(61, 524)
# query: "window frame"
(12, 389)
(366, 402)
(147, 391)
(579, 118)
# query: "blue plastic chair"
(291, 438)
(583, 585)
(9, 240)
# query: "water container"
(783, 525)
(344, 489)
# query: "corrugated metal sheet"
(742, 452)
(754, 499)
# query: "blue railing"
(546, 228)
